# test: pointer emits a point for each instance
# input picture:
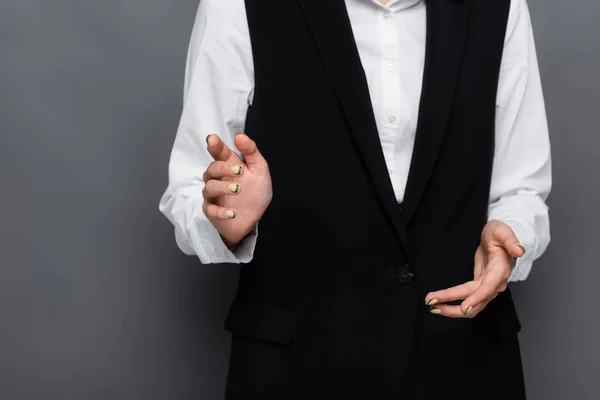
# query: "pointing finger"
(493, 282)
(456, 312)
(217, 148)
(479, 263)
(485, 292)
(459, 292)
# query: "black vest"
(332, 304)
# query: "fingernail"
(208, 137)
(241, 133)
(234, 187)
(522, 248)
(231, 213)
(236, 169)
(468, 310)
(432, 302)
(434, 310)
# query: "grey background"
(96, 302)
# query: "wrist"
(233, 240)
(232, 243)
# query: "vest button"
(405, 274)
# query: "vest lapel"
(332, 32)
(446, 29)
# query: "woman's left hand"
(493, 267)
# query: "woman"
(396, 163)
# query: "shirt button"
(390, 67)
(387, 16)
(392, 119)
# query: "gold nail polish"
(522, 248)
(231, 213)
(236, 169)
(468, 310)
(234, 187)
(434, 310)
(432, 302)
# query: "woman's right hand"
(237, 192)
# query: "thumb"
(252, 157)
(479, 263)
(507, 238)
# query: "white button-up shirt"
(219, 84)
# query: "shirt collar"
(396, 5)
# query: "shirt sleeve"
(218, 87)
(521, 178)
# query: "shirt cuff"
(522, 265)
(207, 244)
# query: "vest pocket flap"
(264, 321)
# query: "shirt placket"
(390, 83)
